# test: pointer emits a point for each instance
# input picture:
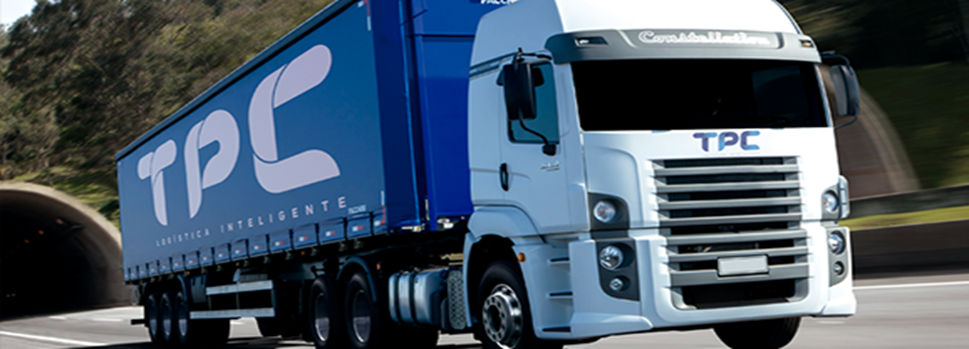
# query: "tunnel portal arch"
(58, 254)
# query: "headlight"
(830, 202)
(836, 242)
(604, 211)
(610, 257)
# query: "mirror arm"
(548, 148)
(855, 118)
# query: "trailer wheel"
(767, 334)
(326, 322)
(368, 325)
(153, 318)
(506, 321)
(197, 333)
(168, 317)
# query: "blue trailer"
(400, 169)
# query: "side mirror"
(846, 90)
(519, 81)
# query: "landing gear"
(762, 334)
(506, 321)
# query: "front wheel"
(506, 321)
(761, 334)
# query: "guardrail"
(910, 202)
(919, 247)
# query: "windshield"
(696, 94)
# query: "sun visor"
(680, 44)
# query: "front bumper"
(661, 304)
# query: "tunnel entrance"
(58, 254)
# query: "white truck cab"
(658, 165)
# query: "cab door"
(532, 170)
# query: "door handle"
(503, 175)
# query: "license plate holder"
(748, 265)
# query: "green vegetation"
(929, 106)
(81, 79)
(889, 220)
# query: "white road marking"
(57, 318)
(51, 339)
(237, 323)
(929, 284)
(106, 320)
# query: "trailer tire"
(368, 325)
(760, 334)
(197, 333)
(153, 318)
(168, 317)
(506, 321)
(325, 319)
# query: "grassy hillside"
(929, 106)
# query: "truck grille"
(713, 211)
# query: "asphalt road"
(927, 311)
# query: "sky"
(10, 10)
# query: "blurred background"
(81, 79)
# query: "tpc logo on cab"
(726, 139)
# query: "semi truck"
(534, 172)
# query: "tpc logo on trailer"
(726, 139)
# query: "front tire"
(761, 334)
(506, 321)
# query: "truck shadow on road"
(256, 343)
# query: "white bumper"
(596, 313)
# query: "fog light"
(830, 202)
(836, 242)
(604, 211)
(610, 257)
(839, 269)
(617, 284)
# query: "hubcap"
(321, 319)
(361, 317)
(502, 314)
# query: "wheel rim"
(166, 318)
(152, 315)
(183, 315)
(502, 315)
(361, 317)
(321, 319)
